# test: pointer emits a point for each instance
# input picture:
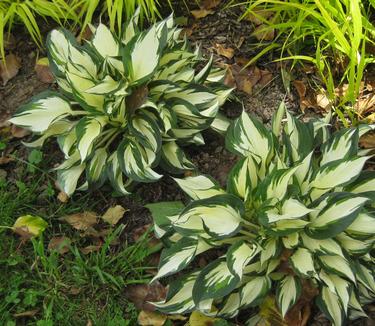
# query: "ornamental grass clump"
(125, 104)
(297, 213)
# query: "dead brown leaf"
(300, 87)
(264, 33)
(257, 16)
(89, 249)
(151, 318)
(229, 78)
(201, 13)
(209, 4)
(246, 78)
(266, 77)
(18, 132)
(365, 104)
(81, 221)
(9, 67)
(142, 294)
(226, 52)
(43, 71)
(62, 197)
(59, 244)
(5, 160)
(29, 313)
(323, 101)
(114, 214)
(368, 140)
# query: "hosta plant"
(297, 212)
(125, 104)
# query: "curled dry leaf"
(9, 67)
(92, 248)
(63, 197)
(246, 78)
(151, 318)
(300, 87)
(29, 313)
(18, 132)
(43, 71)
(266, 77)
(201, 13)
(81, 221)
(142, 294)
(114, 214)
(59, 244)
(323, 102)
(225, 52)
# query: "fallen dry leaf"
(62, 197)
(266, 77)
(323, 102)
(246, 78)
(9, 67)
(264, 33)
(300, 87)
(151, 318)
(114, 214)
(29, 313)
(226, 52)
(29, 226)
(142, 294)
(365, 104)
(368, 140)
(258, 16)
(18, 132)
(59, 244)
(209, 4)
(89, 249)
(81, 221)
(91, 232)
(228, 81)
(199, 319)
(201, 13)
(43, 71)
(5, 160)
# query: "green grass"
(67, 289)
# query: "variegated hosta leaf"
(140, 89)
(96, 168)
(180, 296)
(68, 179)
(239, 255)
(115, 175)
(255, 291)
(177, 257)
(214, 281)
(336, 216)
(199, 187)
(362, 226)
(133, 162)
(42, 111)
(343, 144)
(337, 173)
(364, 184)
(219, 216)
(87, 130)
(328, 246)
(288, 293)
(160, 213)
(330, 304)
(302, 262)
(247, 136)
(337, 265)
(243, 177)
(174, 158)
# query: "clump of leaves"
(125, 104)
(298, 210)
